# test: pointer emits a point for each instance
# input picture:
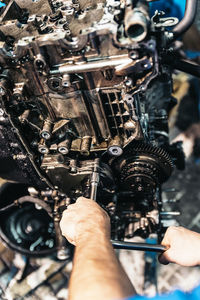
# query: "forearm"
(97, 274)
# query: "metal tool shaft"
(94, 180)
(118, 244)
(138, 246)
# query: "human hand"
(184, 247)
(188, 138)
(83, 220)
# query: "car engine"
(85, 96)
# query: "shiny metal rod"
(92, 66)
(94, 180)
(138, 246)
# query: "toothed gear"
(143, 167)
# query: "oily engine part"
(29, 230)
(85, 94)
(142, 168)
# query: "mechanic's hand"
(184, 247)
(83, 219)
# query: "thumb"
(165, 257)
(162, 258)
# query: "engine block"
(83, 82)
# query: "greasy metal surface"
(81, 81)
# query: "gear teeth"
(152, 164)
(146, 148)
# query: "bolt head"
(63, 254)
(45, 135)
(115, 151)
(134, 55)
(63, 150)
(43, 150)
(128, 82)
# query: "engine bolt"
(46, 135)
(115, 147)
(85, 145)
(42, 148)
(128, 82)
(66, 81)
(134, 55)
(63, 150)
(46, 130)
(64, 147)
(63, 253)
(115, 150)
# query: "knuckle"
(80, 199)
(181, 228)
(171, 229)
(70, 207)
(64, 213)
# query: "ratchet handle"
(138, 246)
(94, 180)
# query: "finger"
(168, 236)
(68, 219)
(68, 229)
(165, 241)
(86, 201)
(81, 199)
(66, 213)
(71, 206)
(162, 259)
(167, 256)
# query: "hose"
(24, 199)
(186, 22)
(7, 207)
(44, 205)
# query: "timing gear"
(143, 167)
